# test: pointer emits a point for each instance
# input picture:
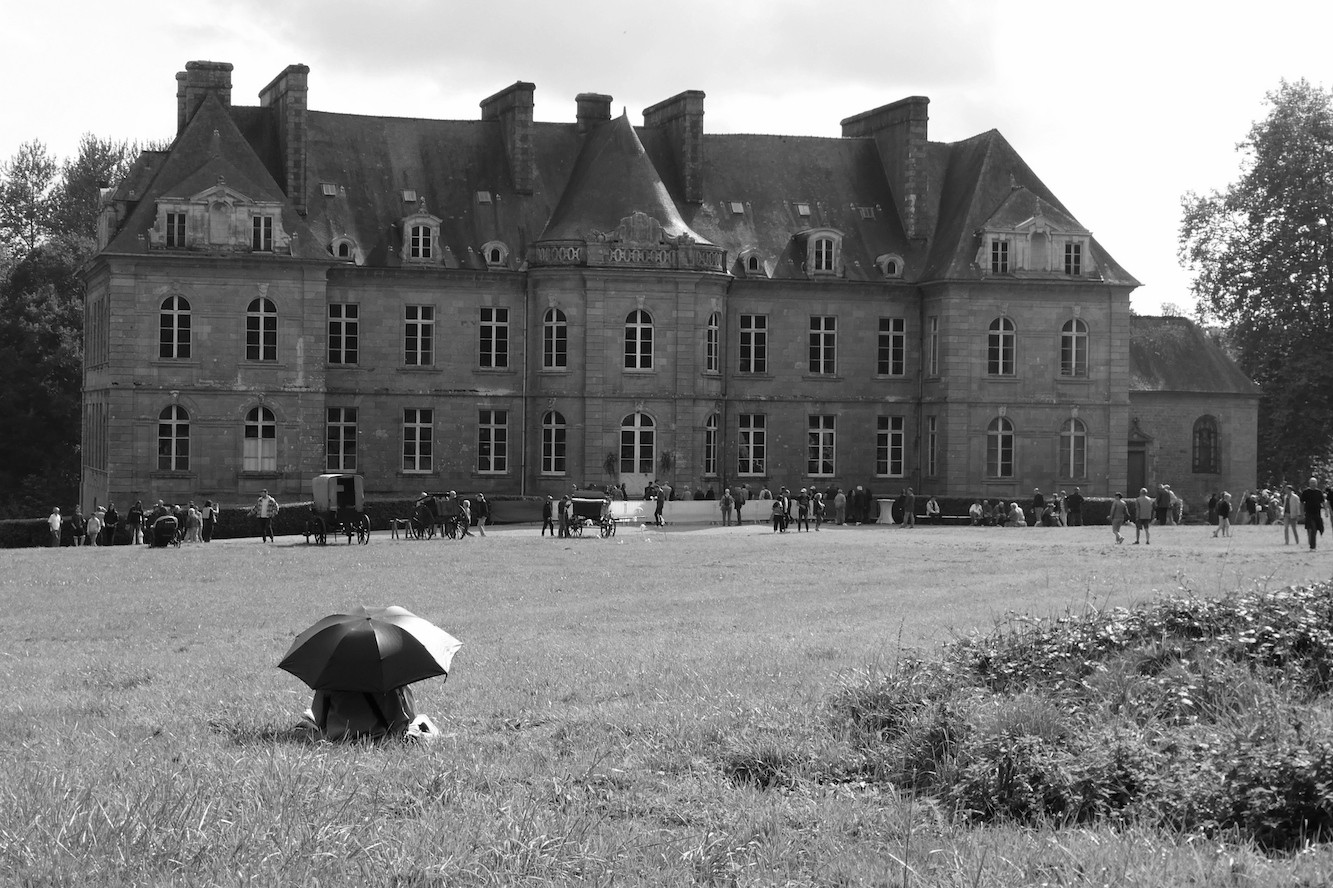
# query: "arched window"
(495, 253)
(752, 263)
(639, 340)
(173, 439)
(261, 331)
(1074, 348)
(261, 441)
(173, 341)
(553, 443)
(1000, 348)
(1207, 451)
(1073, 450)
(710, 446)
(555, 340)
(638, 444)
(713, 344)
(1000, 448)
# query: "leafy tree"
(75, 200)
(1261, 253)
(26, 182)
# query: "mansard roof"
(1172, 354)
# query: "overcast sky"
(1120, 107)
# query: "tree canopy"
(1261, 255)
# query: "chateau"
(515, 306)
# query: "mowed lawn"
(148, 737)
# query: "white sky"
(1120, 107)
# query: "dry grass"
(604, 688)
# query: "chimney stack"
(593, 108)
(195, 83)
(683, 117)
(899, 131)
(288, 95)
(512, 107)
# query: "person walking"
(466, 524)
(1119, 515)
(909, 508)
(817, 506)
(1223, 515)
(565, 505)
(741, 495)
(548, 516)
(110, 524)
(134, 523)
(78, 526)
(266, 509)
(1143, 515)
(1291, 516)
(1038, 506)
(483, 513)
(53, 525)
(1312, 501)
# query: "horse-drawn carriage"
(591, 513)
(442, 511)
(339, 508)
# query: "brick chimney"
(593, 108)
(287, 94)
(683, 117)
(197, 81)
(899, 130)
(512, 107)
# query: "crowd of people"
(105, 526)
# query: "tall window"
(555, 340)
(933, 347)
(890, 446)
(824, 254)
(553, 443)
(1073, 258)
(261, 441)
(175, 229)
(344, 330)
(710, 446)
(639, 340)
(754, 344)
(418, 439)
(1000, 348)
(823, 344)
(340, 440)
(492, 441)
(637, 444)
(261, 239)
(419, 336)
(173, 340)
(999, 256)
(261, 331)
(1074, 348)
(932, 446)
(752, 441)
(173, 439)
(891, 357)
(1207, 452)
(1000, 448)
(420, 244)
(821, 446)
(713, 344)
(1073, 450)
(494, 338)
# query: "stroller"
(165, 532)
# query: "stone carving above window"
(1028, 236)
(219, 219)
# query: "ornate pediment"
(638, 230)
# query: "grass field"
(148, 737)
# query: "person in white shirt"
(1291, 516)
(266, 509)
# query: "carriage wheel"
(576, 528)
(315, 528)
(608, 529)
(361, 524)
(451, 529)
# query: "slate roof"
(1171, 354)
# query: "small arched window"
(1074, 348)
(1000, 348)
(261, 330)
(173, 439)
(173, 342)
(495, 253)
(555, 340)
(553, 443)
(1000, 448)
(1073, 450)
(1207, 450)
(261, 441)
(639, 340)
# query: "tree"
(76, 200)
(26, 181)
(1261, 253)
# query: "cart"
(339, 508)
(592, 513)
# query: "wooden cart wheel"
(362, 525)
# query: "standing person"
(193, 522)
(1162, 505)
(466, 505)
(1212, 508)
(817, 505)
(1291, 513)
(266, 509)
(661, 504)
(1312, 501)
(564, 507)
(742, 495)
(110, 523)
(483, 513)
(134, 523)
(53, 525)
(1038, 505)
(1223, 515)
(803, 510)
(548, 516)
(78, 525)
(909, 508)
(210, 518)
(1119, 515)
(95, 528)
(1074, 505)
(839, 507)
(725, 505)
(779, 516)
(1143, 513)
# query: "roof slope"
(1170, 354)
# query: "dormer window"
(261, 240)
(999, 256)
(421, 239)
(751, 263)
(823, 247)
(495, 253)
(890, 265)
(343, 248)
(1073, 258)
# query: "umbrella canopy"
(373, 649)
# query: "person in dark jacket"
(1312, 501)
(548, 516)
(481, 510)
